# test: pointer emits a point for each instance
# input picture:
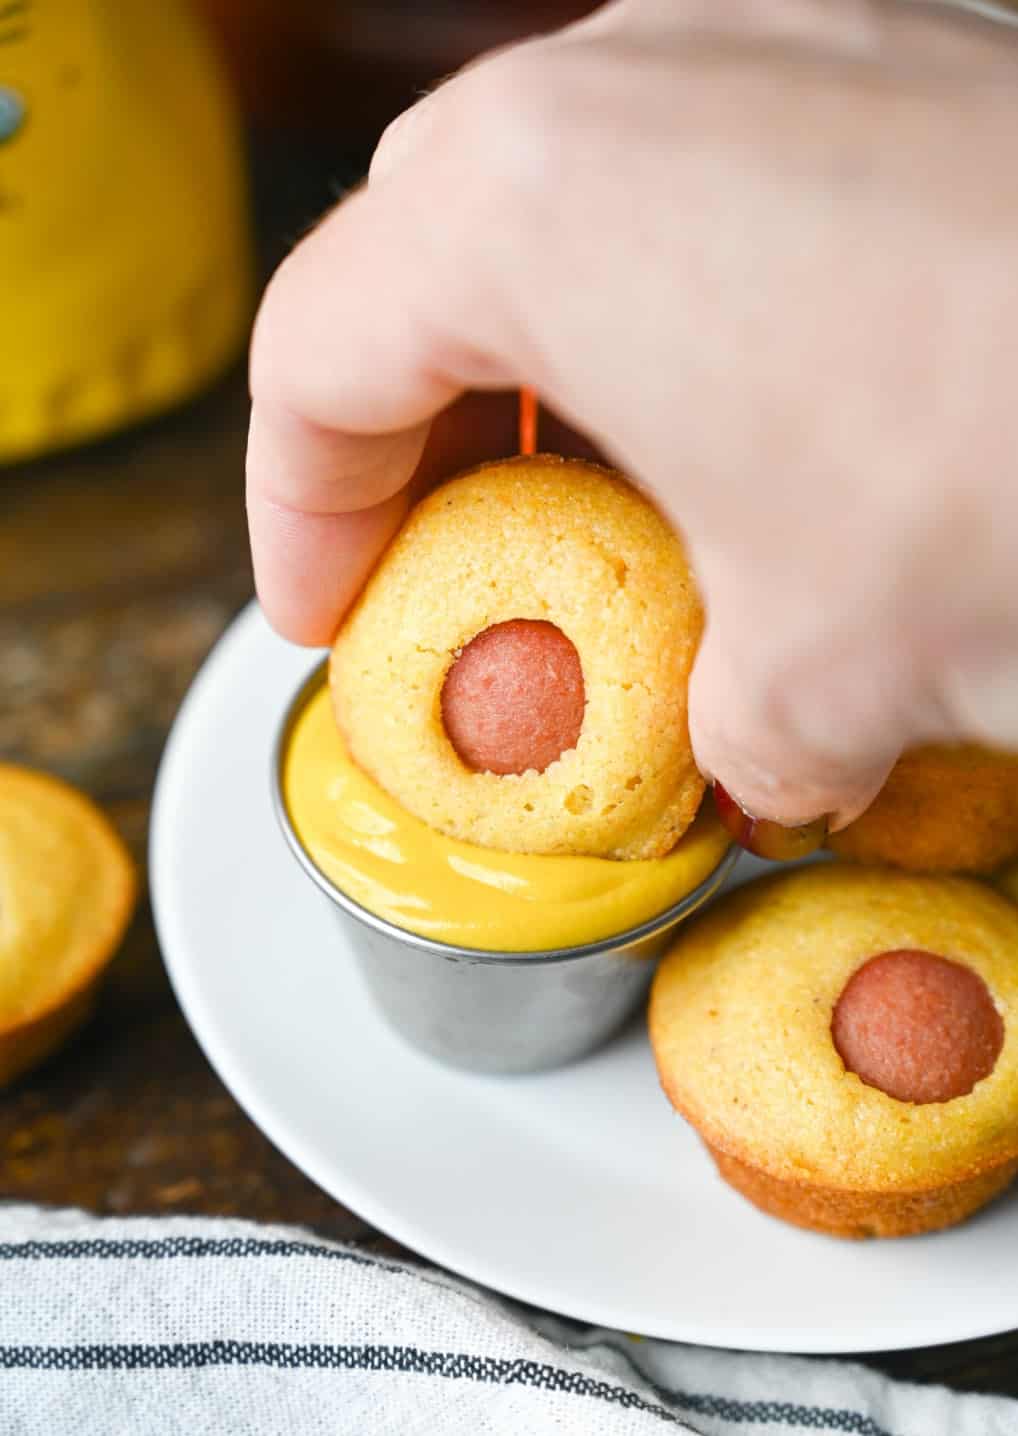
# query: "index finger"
(366, 332)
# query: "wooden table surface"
(119, 567)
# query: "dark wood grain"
(119, 567)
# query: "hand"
(766, 255)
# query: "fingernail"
(764, 838)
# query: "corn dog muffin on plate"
(845, 1041)
(944, 808)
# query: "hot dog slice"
(917, 1026)
(513, 699)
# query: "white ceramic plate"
(579, 1191)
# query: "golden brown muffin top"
(547, 539)
(741, 1013)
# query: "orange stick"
(528, 421)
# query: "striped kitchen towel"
(190, 1325)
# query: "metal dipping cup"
(493, 1011)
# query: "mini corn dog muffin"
(943, 809)
(845, 1041)
(67, 891)
(515, 671)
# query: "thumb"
(792, 737)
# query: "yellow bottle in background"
(125, 258)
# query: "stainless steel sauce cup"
(493, 1011)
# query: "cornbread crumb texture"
(548, 540)
(946, 808)
(67, 891)
(741, 1016)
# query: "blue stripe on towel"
(171, 1356)
(178, 1246)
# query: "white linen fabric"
(194, 1325)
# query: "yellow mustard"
(400, 869)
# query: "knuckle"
(399, 139)
(510, 124)
(388, 148)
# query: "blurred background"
(345, 67)
(148, 153)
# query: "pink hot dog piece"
(513, 699)
(917, 1026)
